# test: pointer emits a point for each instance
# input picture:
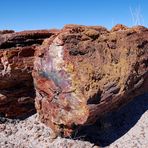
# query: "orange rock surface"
(84, 72)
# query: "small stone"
(53, 135)
(35, 116)
(36, 122)
(36, 128)
(30, 127)
(25, 136)
(14, 130)
(5, 142)
(2, 127)
(2, 120)
(38, 135)
(46, 134)
(8, 132)
(9, 145)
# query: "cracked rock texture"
(16, 64)
(86, 71)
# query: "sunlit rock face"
(16, 64)
(86, 71)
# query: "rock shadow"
(115, 124)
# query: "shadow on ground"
(114, 125)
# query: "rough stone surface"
(16, 64)
(84, 72)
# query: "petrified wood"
(16, 64)
(85, 72)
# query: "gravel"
(125, 128)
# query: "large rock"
(16, 64)
(84, 72)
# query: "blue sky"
(45, 14)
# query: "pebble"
(2, 127)
(36, 122)
(30, 127)
(8, 132)
(2, 120)
(46, 134)
(36, 128)
(37, 135)
(14, 130)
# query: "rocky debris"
(31, 133)
(84, 72)
(16, 64)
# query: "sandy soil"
(125, 128)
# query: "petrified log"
(85, 72)
(16, 64)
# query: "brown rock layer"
(16, 64)
(84, 72)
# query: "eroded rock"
(84, 72)
(16, 64)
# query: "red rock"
(6, 31)
(16, 64)
(119, 27)
(84, 72)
